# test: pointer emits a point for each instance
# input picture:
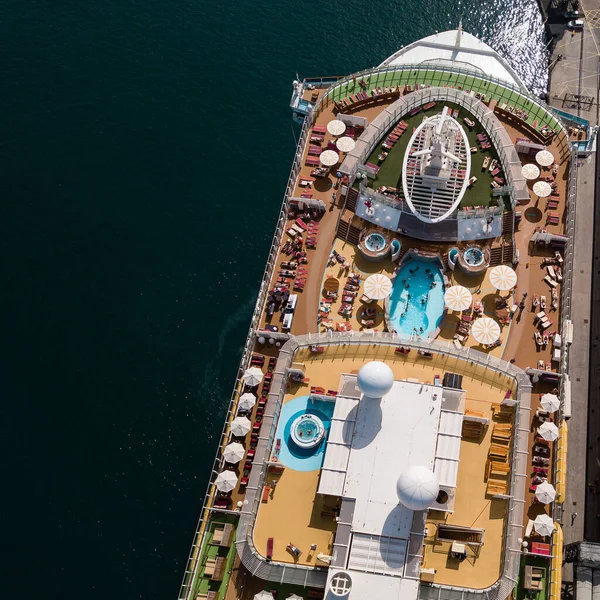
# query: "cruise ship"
(398, 426)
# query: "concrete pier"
(574, 70)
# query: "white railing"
(385, 76)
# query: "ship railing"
(565, 309)
(390, 76)
(192, 564)
(504, 371)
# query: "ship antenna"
(459, 32)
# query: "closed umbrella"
(544, 525)
(544, 158)
(233, 453)
(458, 297)
(252, 376)
(503, 277)
(530, 171)
(336, 127)
(550, 402)
(545, 492)
(345, 144)
(329, 158)
(485, 330)
(240, 426)
(549, 431)
(378, 286)
(542, 189)
(226, 481)
(332, 284)
(247, 401)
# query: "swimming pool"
(417, 298)
(296, 456)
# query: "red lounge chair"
(269, 548)
(266, 492)
(244, 481)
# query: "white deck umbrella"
(530, 171)
(329, 158)
(234, 452)
(240, 426)
(503, 278)
(549, 431)
(345, 144)
(458, 297)
(264, 595)
(544, 525)
(247, 401)
(542, 189)
(378, 286)
(544, 158)
(252, 376)
(545, 492)
(485, 330)
(226, 481)
(294, 597)
(550, 402)
(336, 127)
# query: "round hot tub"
(374, 245)
(474, 260)
(474, 257)
(307, 431)
(375, 242)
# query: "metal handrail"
(430, 71)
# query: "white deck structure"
(456, 49)
(372, 441)
(436, 168)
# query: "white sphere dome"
(375, 379)
(417, 488)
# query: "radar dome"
(417, 488)
(375, 379)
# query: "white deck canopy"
(456, 48)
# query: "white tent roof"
(470, 53)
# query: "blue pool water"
(290, 455)
(410, 315)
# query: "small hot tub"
(374, 245)
(474, 257)
(307, 431)
(375, 242)
(473, 260)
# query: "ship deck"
(293, 511)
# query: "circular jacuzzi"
(307, 431)
(474, 256)
(474, 260)
(375, 242)
(374, 245)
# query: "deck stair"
(348, 232)
(342, 229)
(351, 199)
(507, 222)
(495, 256)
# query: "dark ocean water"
(144, 149)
